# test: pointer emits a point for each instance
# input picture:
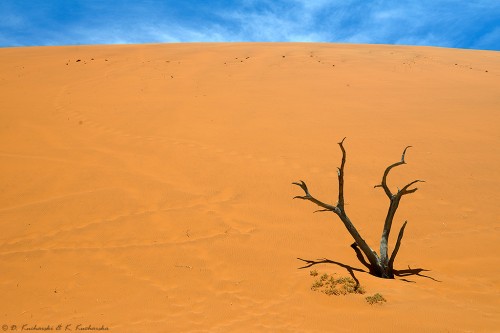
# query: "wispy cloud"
(488, 39)
(471, 24)
(270, 25)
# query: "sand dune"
(148, 187)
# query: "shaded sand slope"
(148, 188)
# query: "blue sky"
(473, 24)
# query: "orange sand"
(147, 188)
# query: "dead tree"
(381, 265)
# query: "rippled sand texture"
(148, 188)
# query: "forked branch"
(339, 210)
(405, 189)
(309, 197)
(395, 199)
(382, 266)
(383, 184)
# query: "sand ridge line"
(37, 157)
(215, 150)
(98, 248)
(201, 203)
(57, 198)
(227, 156)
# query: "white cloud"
(293, 22)
(422, 22)
(181, 34)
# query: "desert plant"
(381, 265)
(330, 285)
(375, 299)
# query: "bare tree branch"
(396, 247)
(340, 173)
(383, 184)
(309, 197)
(381, 266)
(395, 199)
(322, 210)
(339, 210)
(405, 189)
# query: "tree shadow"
(413, 271)
(399, 273)
(350, 269)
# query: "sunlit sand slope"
(148, 188)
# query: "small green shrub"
(316, 285)
(375, 299)
(314, 273)
(330, 285)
